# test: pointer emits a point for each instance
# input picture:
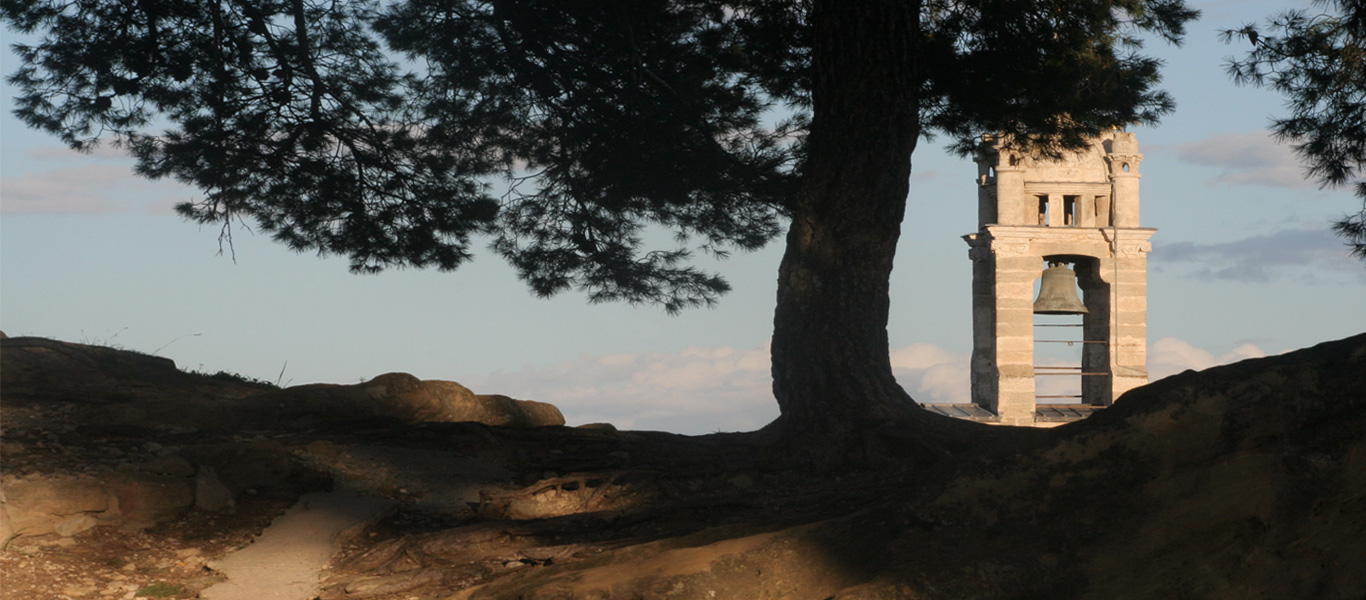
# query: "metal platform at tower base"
(1045, 415)
(966, 411)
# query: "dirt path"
(284, 563)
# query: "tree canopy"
(1317, 60)
(374, 129)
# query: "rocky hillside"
(122, 474)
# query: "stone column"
(1015, 273)
(1096, 390)
(1102, 204)
(983, 368)
(1128, 278)
(1086, 210)
(986, 189)
(1124, 177)
(1011, 205)
(1057, 211)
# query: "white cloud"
(1169, 356)
(702, 390)
(1247, 159)
(1262, 258)
(932, 374)
(95, 189)
(63, 153)
(54, 179)
(698, 390)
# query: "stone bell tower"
(1079, 212)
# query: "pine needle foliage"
(562, 133)
(1316, 58)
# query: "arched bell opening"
(1070, 352)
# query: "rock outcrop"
(123, 387)
(95, 392)
(406, 398)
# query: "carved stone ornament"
(1134, 248)
(1117, 162)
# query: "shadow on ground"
(1241, 481)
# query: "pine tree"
(1318, 61)
(377, 130)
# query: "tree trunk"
(832, 375)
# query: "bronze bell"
(1058, 292)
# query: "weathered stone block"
(209, 493)
(145, 498)
(36, 506)
(75, 524)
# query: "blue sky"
(1243, 265)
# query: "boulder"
(36, 506)
(64, 367)
(406, 398)
(146, 499)
(502, 410)
(75, 524)
(242, 466)
(137, 495)
(209, 493)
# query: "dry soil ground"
(1246, 481)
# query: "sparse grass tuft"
(239, 378)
